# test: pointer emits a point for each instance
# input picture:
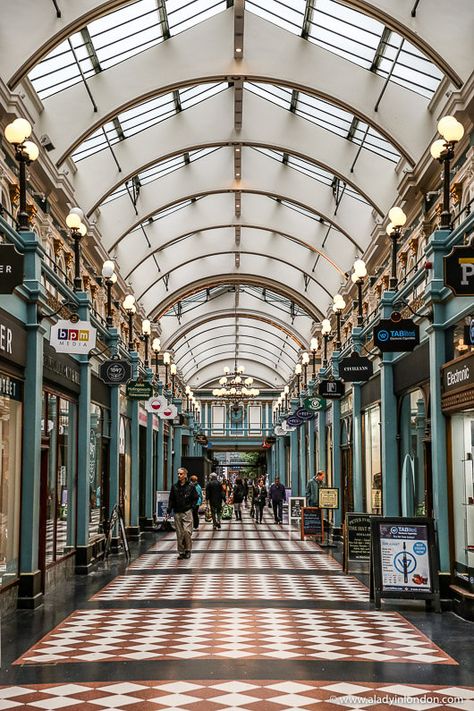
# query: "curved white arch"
(244, 347)
(258, 370)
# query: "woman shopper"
(239, 494)
(260, 495)
(197, 486)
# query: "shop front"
(12, 360)
(99, 466)
(371, 446)
(458, 406)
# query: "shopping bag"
(227, 511)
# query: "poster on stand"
(161, 505)
(295, 504)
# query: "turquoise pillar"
(177, 439)
(311, 449)
(133, 529)
(192, 443)
(336, 446)
(322, 464)
(282, 460)
(294, 455)
(169, 467)
(160, 444)
(147, 523)
(29, 592)
(83, 549)
(389, 428)
(303, 474)
(114, 446)
(357, 468)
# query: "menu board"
(311, 522)
(295, 504)
(329, 498)
(404, 559)
(357, 539)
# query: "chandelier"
(234, 387)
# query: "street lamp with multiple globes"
(130, 308)
(16, 133)
(146, 333)
(325, 332)
(338, 307)
(443, 150)
(314, 348)
(394, 229)
(357, 277)
(78, 231)
(110, 278)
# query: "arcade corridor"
(254, 620)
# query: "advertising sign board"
(70, 337)
(357, 542)
(329, 498)
(312, 522)
(396, 336)
(355, 368)
(11, 268)
(459, 270)
(304, 414)
(331, 389)
(161, 504)
(139, 391)
(295, 505)
(314, 403)
(115, 371)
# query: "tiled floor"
(255, 620)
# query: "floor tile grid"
(222, 560)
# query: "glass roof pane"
(59, 69)
(288, 17)
(182, 15)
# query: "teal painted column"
(147, 523)
(177, 439)
(282, 461)
(322, 464)
(357, 468)
(435, 251)
(336, 445)
(294, 455)
(311, 442)
(83, 548)
(29, 591)
(389, 427)
(114, 446)
(192, 444)
(169, 467)
(303, 474)
(133, 529)
(160, 444)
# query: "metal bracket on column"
(403, 302)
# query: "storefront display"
(98, 469)
(372, 460)
(414, 487)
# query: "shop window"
(372, 460)
(97, 467)
(412, 454)
(462, 434)
(10, 475)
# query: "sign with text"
(11, 268)
(304, 414)
(459, 270)
(295, 505)
(115, 372)
(294, 421)
(469, 333)
(69, 337)
(396, 336)
(404, 558)
(357, 542)
(458, 374)
(314, 403)
(355, 368)
(161, 504)
(139, 391)
(328, 498)
(331, 389)
(312, 522)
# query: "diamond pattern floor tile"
(288, 561)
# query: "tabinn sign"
(396, 336)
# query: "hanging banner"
(331, 389)
(355, 368)
(396, 336)
(156, 404)
(459, 270)
(11, 268)
(304, 414)
(115, 372)
(69, 337)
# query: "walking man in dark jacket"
(277, 497)
(215, 497)
(183, 496)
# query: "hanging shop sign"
(139, 391)
(70, 337)
(201, 439)
(11, 268)
(329, 498)
(356, 368)
(314, 403)
(286, 427)
(396, 336)
(312, 522)
(469, 333)
(331, 389)
(294, 421)
(115, 372)
(279, 431)
(357, 542)
(170, 412)
(156, 404)
(404, 559)
(304, 414)
(459, 270)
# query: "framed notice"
(357, 542)
(161, 504)
(312, 523)
(295, 504)
(404, 559)
(329, 498)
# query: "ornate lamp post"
(16, 133)
(110, 278)
(338, 306)
(325, 331)
(298, 369)
(394, 229)
(314, 348)
(156, 347)
(286, 391)
(173, 371)
(130, 308)
(357, 277)
(146, 332)
(443, 150)
(166, 363)
(78, 231)
(305, 361)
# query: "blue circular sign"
(383, 336)
(419, 548)
(404, 562)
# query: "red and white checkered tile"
(235, 695)
(234, 633)
(231, 586)
(240, 545)
(288, 561)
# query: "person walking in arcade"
(183, 497)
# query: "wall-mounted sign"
(396, 336)
(458, 374)
(69, 337)
(11, 268)
(459, 270)
(329, 498)
(156, 404)
(314, 403)
(356, 368)
(312, 522)
(139, 391)
(10, 387)
(294, 421)
(115, 372)
(331, 389)
(12, 339)
(304, 414)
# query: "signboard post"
(357, 542)
(459, 270)
(11, 268)
(312, 523)
(404, 560)
(295, 505)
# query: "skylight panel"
(182, 16)
(193, 95)
(277, 94)
(288, 16)
(59, 69)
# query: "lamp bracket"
(72, 305)
(403, 302)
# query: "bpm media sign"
(11, 268)
(459, 271)
(355, 368)
(69, 337)
(396, 336)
